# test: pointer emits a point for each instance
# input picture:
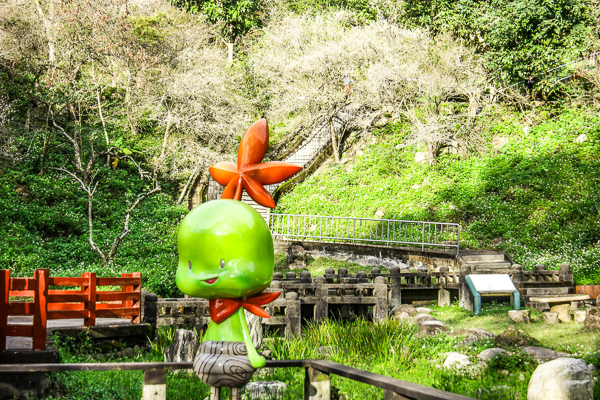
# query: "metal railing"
(316, 385)
(365, 230)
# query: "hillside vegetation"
(537, 197)
(111, 113)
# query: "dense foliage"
(517, 37)
(102, 105)
(537, 198)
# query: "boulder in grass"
(431, 330)
(424, 317)
(405, 308)
(488, 354)
(515, 337)
(455, 360)
(561, 379)
(592, 319)
(543, 354)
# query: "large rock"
(520, 316)
(405, 317)
(430, 323)
(455, 360)
(405, 308)
(8, 391)
(592, 319)
(431, 330)
(260, 390)
(550, 317)
(296, 257)
(474, 335)
(255, 328)
(184, 347)
(424, 310)
(515, 337)
(488, 354)
(543, 354)
(482, 333)
(561, 379)
(424, 317)
(564, 312)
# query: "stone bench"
(546, 302)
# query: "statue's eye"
(190, 265)
(222, 263)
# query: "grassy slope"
(538, 198)
(43, 224)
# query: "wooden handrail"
(392, 386)
(65, 304)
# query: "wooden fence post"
(389, 395)
(155, 385)
(317, 385)
(126, 303)
(4, 288)
(91, 299)
(40, 309)
(135, 319)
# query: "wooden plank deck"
(25, 343)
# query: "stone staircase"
(486, 262)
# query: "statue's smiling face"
(225, 251)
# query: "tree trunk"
(229, 53)
(47, 20)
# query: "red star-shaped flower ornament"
(249, 173)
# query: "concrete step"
(492, 265)
(486, 258)
(553, 291)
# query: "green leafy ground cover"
(43, 224)
(538, 198)
(389, 348)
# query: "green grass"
(538, 198)
(568, 337)
(389, 348)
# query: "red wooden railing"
(86, 302)
(591, 290)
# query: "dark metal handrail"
(392, 386)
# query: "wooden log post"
(127, 288)
(135, 319)
(294, 319)
(4, 289)
(395, 297)
(236, 393)
(317, 385)
(155, 385)
(215, 393)
(381, 306)
(322, 306)
(149, 309)
(90, 291)
(40, 306)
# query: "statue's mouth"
(211, 281)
